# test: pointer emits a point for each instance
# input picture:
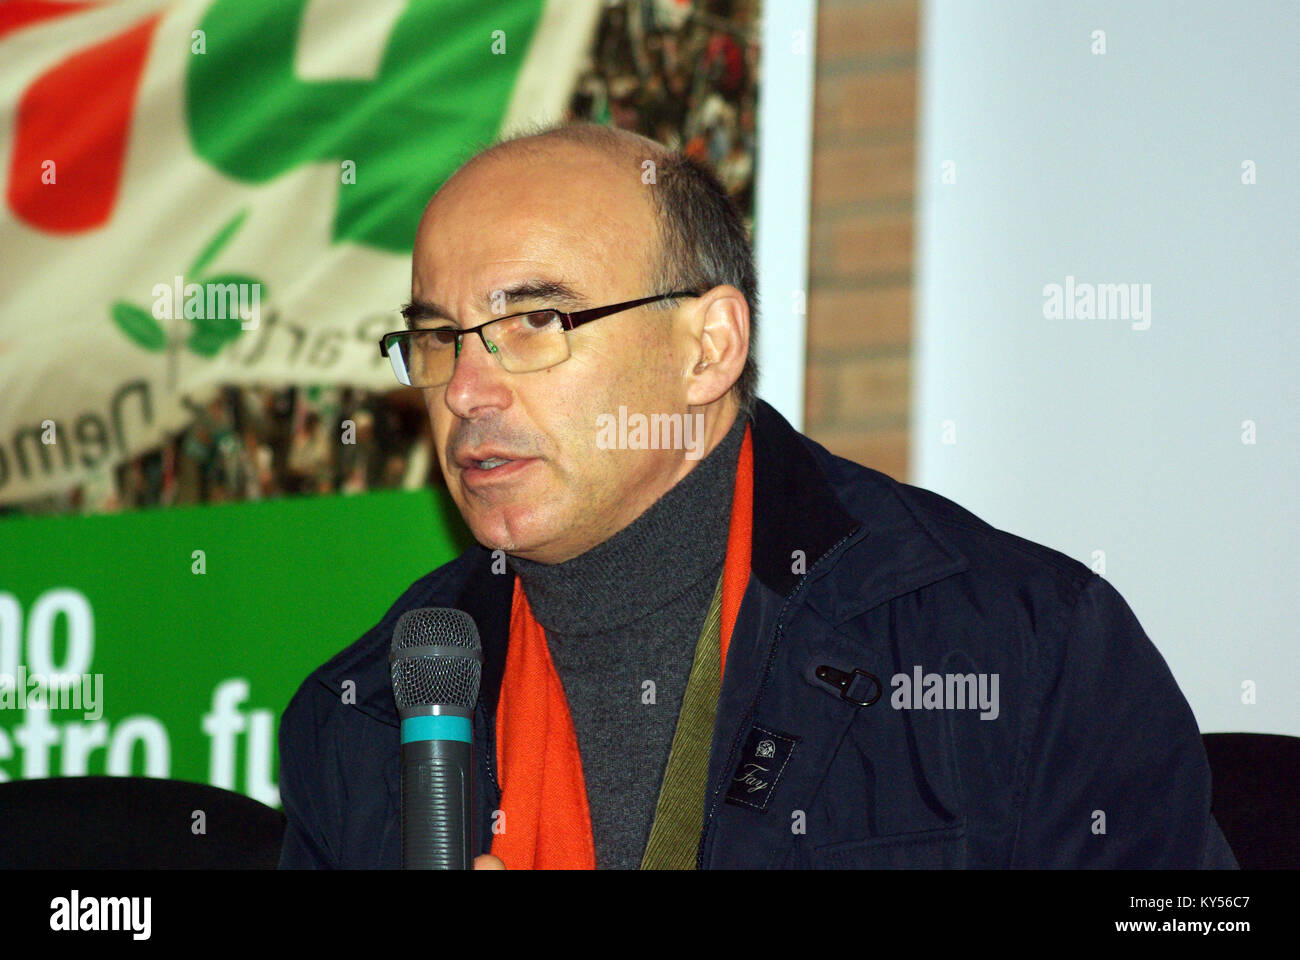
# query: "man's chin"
(516, 535)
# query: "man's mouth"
(486, 465)
(483, 473)
(484, 458)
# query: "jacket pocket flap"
(940, 848)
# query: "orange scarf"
(546, 824)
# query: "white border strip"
(784, 123)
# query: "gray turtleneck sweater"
(622, 621)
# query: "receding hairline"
(624, 152)
(619, 146)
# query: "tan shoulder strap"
(679, 813)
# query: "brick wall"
(860, 260)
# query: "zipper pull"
(859, 687)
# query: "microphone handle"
(436, 806)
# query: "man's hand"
(488, 862)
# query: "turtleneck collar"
(676, 542)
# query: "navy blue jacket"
(1093, 759)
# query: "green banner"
(230, 188)
(167, 642)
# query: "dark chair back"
(1256, 797)
(134, 823)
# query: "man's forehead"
(574, 191)
(518, 232)
(564, 271)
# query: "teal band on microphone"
(440, 727)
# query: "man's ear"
(718, 345)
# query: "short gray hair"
(703, 244)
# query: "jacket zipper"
(489, 756)
(767, 671)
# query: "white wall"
(1093, 434)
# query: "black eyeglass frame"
(569, 321)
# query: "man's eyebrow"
(552, 292)
(416, 310)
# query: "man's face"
(576, 218)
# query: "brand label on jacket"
(761, 764)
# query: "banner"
(166, 643)
(227, 192)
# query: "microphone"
(436, 662)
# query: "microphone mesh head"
(421, 680)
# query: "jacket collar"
(796, 513)
(807, 503)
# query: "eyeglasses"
(522, 343)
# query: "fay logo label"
(761, 764)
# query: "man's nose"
(478, 379)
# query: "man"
(731, 649)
